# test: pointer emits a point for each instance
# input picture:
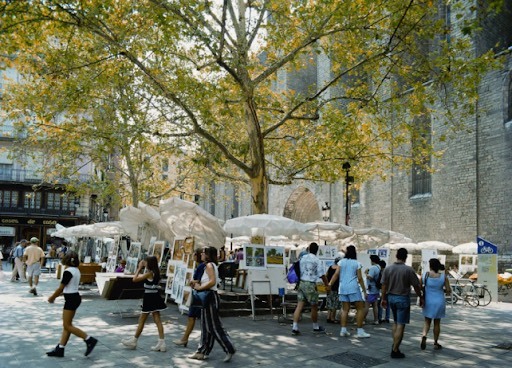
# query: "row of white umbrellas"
(178, 218)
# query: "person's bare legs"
(191, 322)
(68, 328)
(345, 308)
(398, 334)
(158, 323)
(437, 329)
(314, 313)
(360, 315)
(142, 321)
(426, 326)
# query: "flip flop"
(437, 346)
(423, 344)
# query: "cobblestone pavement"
(30, 326)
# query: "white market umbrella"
(267, 225)
(437, 245)
(466, 248)
(96, 230)
(411, 247)
(188, 219)
(369, 238)
(330, 231)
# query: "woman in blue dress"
(435, 285)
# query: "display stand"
(256, 285)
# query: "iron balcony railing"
(32, 176)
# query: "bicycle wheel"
(484, 296)
(471, 299)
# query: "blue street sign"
(485, 247)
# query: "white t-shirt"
(206, 279)
(73, 282)
(311, 268)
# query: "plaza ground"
(30, 326)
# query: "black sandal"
(423, 344)
(437, 346)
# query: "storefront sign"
(7, 231)
(26, 221)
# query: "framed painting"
(188, 245)
(274, 256)
(158, 250)
(254, 256)
(178, 249)
(133, 258)
(178, 282)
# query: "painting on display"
(151, 248)
(188, 245)
(178, 283)
(158, 251)
(327, 252)
(133, 258)
(111, 263)
(168, 285)
(171, 268)
(190, 261)
(178, 249)
(274, 256)
(254, 256)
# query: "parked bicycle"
(484, 295)
(465, 292)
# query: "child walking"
(72, 299)
(151, 303)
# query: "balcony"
(32, 177)
(35, 211)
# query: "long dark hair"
(211, 254)
(435, 264)
(152, 265)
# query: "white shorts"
(34, 269)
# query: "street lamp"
(348, 180)
(326, 212)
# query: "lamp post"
(326, 212)
(348, 180)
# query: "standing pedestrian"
(380, 310)
(311, 269)
(34, 258)
(333, 299)
(151, 303)
(372, 298)
(194, 312)
(211, 325)
(72, 300)
(18, 268)
(351, 285)
(435, 285)
(397, 280)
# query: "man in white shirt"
(311, 269)
(34, 258)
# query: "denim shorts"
(400, 306)
(307, 292)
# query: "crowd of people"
(384, 289)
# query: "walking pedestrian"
(151, 303)
(397, 280)
(372, 298)
(311, 269)
(211, 325)
(34, 258)
(435, 286)
(351, 285)
(18, 267)
(194, 312)
(72, 300)
(380, 310)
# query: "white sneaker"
(130, 343)
(160, 346)
(362, 335)
(345, 334)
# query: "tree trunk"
(259, 196)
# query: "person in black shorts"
(72, 299)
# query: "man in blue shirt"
(18, 261)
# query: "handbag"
(200, 299)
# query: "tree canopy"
(225, 82)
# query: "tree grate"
(354, 360)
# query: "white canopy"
(437, 245)
(330, 230)
(267, 225)
(369, 238)
(466, 248)
(96, 230)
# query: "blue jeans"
(401, 307)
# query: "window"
(509, 110)
(32, 200)
(59, 201)
(421, 177)
(5, 171)
(354, 196)
(9, 198)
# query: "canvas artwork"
(133, 258)
(254, 256)
(190, 261)
(178, 283)
(327, 251)
(111, 263)
(178, 249)
(188, 245)
(168, 285)
(274, 256)
(158, 250)
(171, 268)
